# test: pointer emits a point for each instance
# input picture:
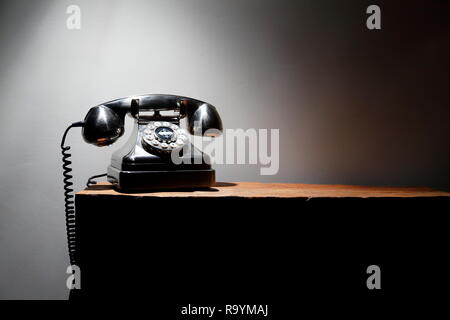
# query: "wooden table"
(257, 242)
(281, 190)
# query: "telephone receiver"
(104, 124)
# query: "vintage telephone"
(145, 162)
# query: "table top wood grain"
(278, 190)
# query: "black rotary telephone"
(146, 161)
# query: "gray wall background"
(353, 106)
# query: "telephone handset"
(104, 124)
(145, 162)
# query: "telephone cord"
(68, 197)
(91, 181)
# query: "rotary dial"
(163, 137)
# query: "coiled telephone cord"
(68, 197)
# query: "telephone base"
(141, 181)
